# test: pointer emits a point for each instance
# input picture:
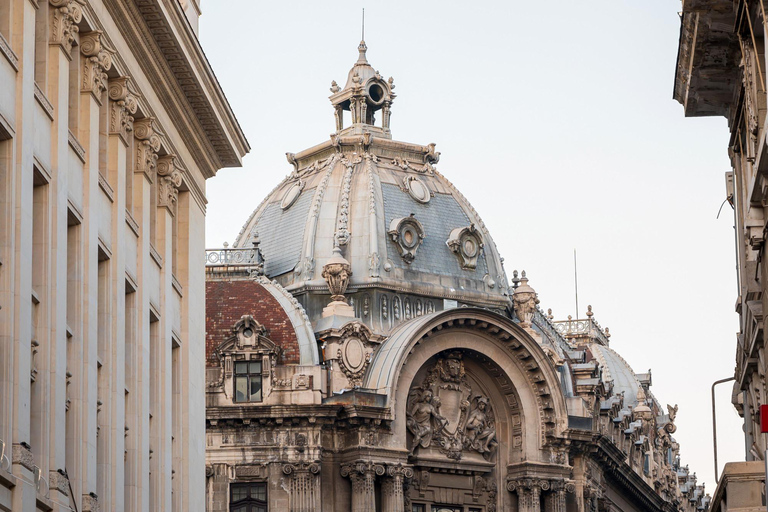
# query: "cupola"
(364, 94)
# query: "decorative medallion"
(467, 244)
(292, 194)
(355, 346)
(417, 189)
(408, 234)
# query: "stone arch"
(517, 359)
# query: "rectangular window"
(248, 497)
(418, 507)
(248, 381)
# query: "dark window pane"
(241, 389)
(256, 389)
(256, 367)
(241, 367)
(239, 508)
(259, 492)
(417, 507)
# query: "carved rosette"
(169, 180)
(467, 244)
(147, 146)
(524, 300)
(122, 107)
(95, 64)
(64, 17)
(337, 273)
(303, 486)
(407, 233)
(363, 475)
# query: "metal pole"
(714, 421)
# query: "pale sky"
(556, 121)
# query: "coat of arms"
(442, 412)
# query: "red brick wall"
(227, 301)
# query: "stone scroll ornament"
(443, 413)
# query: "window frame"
(251, 503)
(249, 376)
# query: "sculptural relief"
(442, 413)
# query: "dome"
(399, 222)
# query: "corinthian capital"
(147, 146)
(64, 17)
(96, 62)
(122, 107)
(169, 180)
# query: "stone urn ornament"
(524, 300)
(337, 273)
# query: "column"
(146, 145)
(122, 105)
(304, 486)
(392, 487)
(95, 60)
(363, 476)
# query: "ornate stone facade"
(424, 383)
(101, 293)
(721, 71)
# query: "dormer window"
(248, 380)
(247, 359)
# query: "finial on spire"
(362, 48)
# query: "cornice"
(122, 68)
(177, 73)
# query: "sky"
(556, 121)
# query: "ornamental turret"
(364, 94)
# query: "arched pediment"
(526, 367)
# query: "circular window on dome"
(417, 189)
(407, 233)
(376, 93)
(467, 244)
(291, 195)
(470, 246)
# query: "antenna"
(576, 282)
(363, 38)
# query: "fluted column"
(363, 478)
(529, 492)
(393, 497)
(304, 486)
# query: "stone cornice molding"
(93, 22)
(169, 180)
(64, 17)
(181, 83)
(122, 108)
(95, 64)
(147, 146)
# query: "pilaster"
(363, 474)
(304, 486)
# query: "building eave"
(183, 79)
(707, 67)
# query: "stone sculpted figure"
(424, 419)
(480, 431)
